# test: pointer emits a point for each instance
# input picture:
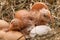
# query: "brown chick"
(41, 17)
(40, 14)
(38, 6)
(3, 24)
(14, 35)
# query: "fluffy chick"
(41, 17)
(40, 14)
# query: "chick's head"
(16, 24)
(38, 6)
(45, 16)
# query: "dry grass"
(9, 7)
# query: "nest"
(9, 7)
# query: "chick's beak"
(52, 19)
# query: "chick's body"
(24, 16)
(21, 14)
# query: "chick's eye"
(46, 16)
(12, 22)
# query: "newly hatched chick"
(40, 30)
(40, 14)
(3, 24)
(41, 17)
(14, 35)
(38, 6)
